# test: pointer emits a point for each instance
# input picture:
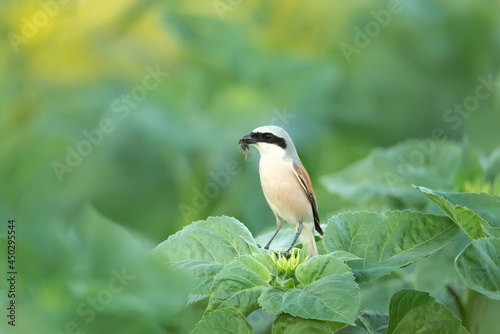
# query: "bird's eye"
(268, 136)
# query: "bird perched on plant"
(286, 184)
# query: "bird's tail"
(307, 238)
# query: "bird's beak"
(249, 140)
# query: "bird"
(286, 184)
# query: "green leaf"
(286, 283)
(376, 294)
(470, 171)
(412, 311)
(479, 266)
(261, 321)
(367, 322)
(390, 172)
(288, 324)
(387, 241)
(469, 211)
(487, 206)
(203, 273)
(492, 231)
(492, 166)
(223, 321)
(344, 256)
(204, 247)
(282, 240)
(239, 285)
(217, 239)
(329, 292)
(424, 274)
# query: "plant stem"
(458, 302)
(473, 305)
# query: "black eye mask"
(269, 138)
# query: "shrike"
(286, 184)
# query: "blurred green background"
(77, 69)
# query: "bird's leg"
(279, 222)
(299, 230)
(269, 243)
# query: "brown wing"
(305, 181)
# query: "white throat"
(270, 151)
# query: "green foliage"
(324, 288)
(479, 266)
(367, 322)
(365, 257)
(204, 272)
(328, 292)
(476, 214)
(319, 293)
(492, 231)
(387, 241)
(217, 239)
(412, 311)
(86, 287)
(239, 285)
(204, 247)
(466, 218)
(288, 324)
(225, 320)
(386, 175)
(390, 172)
(259, 62)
